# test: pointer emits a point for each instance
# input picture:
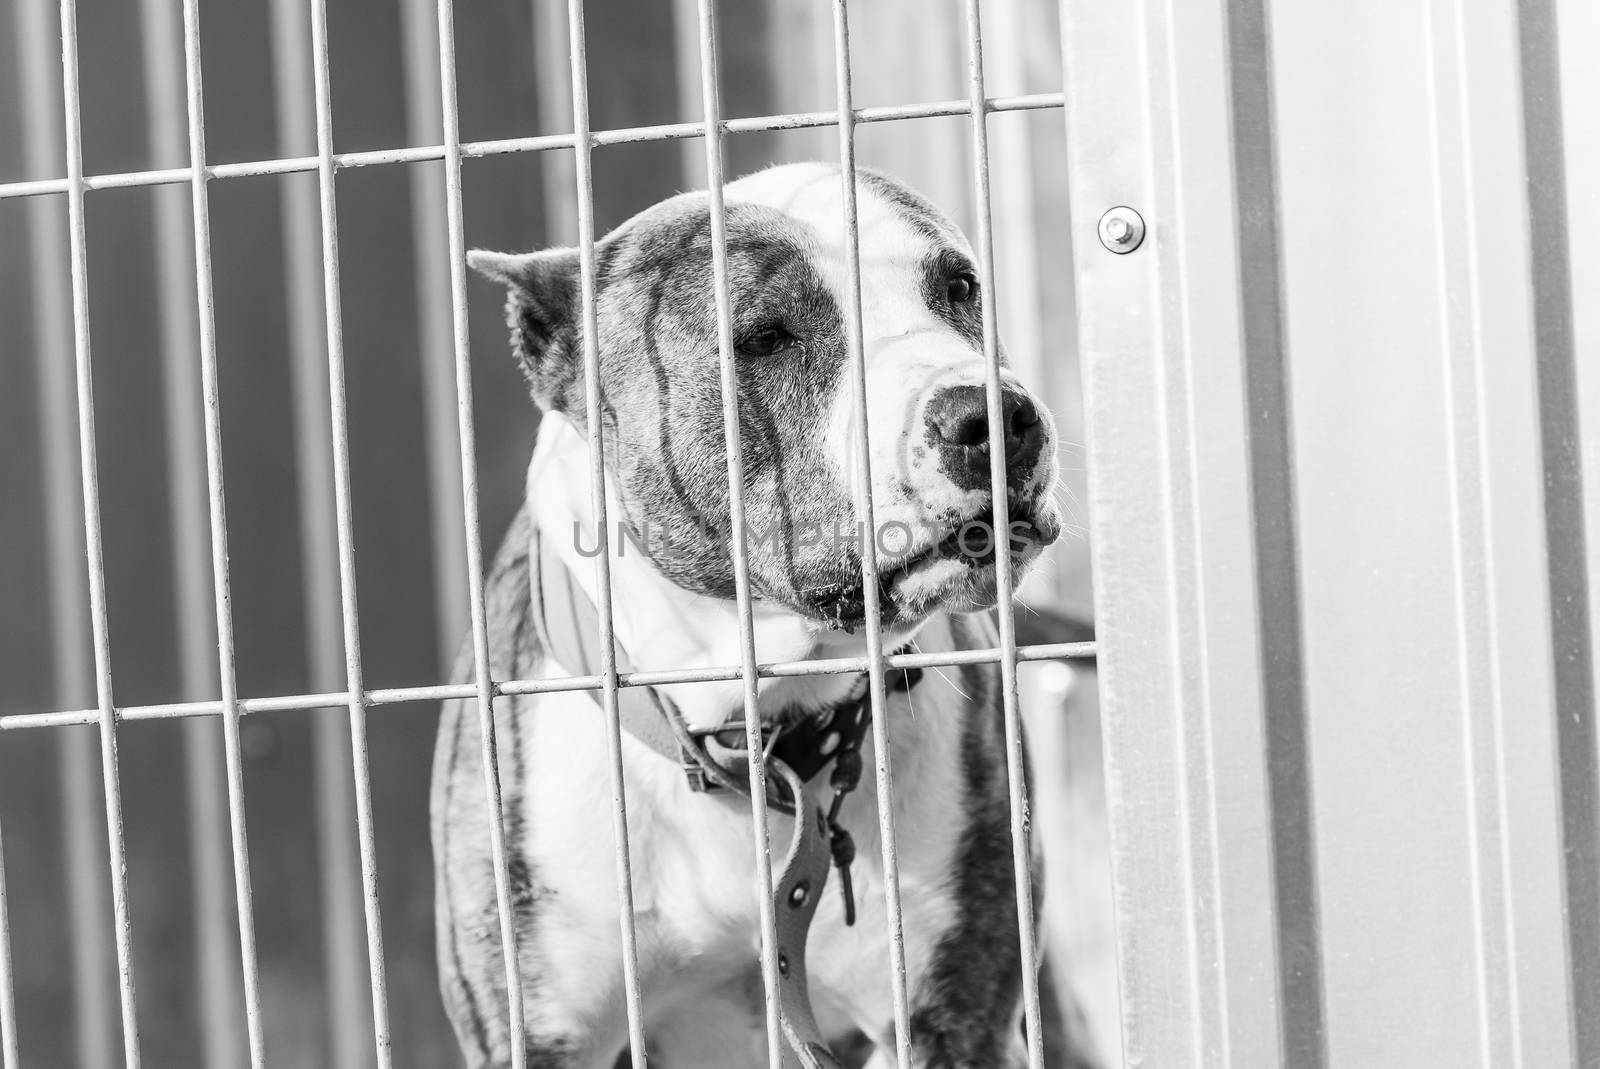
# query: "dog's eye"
(767, 341)
(960, 289)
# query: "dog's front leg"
(478, 1009)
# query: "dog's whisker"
(950, 682)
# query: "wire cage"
(1326, 269)
(228, 958)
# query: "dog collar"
(806, 748)
(712, 758)
(809, 743)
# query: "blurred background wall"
(777, 57)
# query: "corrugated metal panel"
(1344, 413)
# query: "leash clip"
(699, 783)
(844, 779)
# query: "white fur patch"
(661, 625)
(911, 353)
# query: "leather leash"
(713, 759)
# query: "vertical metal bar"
(221, 1035)
(338, 858)
(89, 927)
(8, 998)
(1566, 541)
(95, 558)
(205, 798)
(883, 772)
(1180, 680)
(711, 103)
(456, 253)
(583, 147)
(93, 942)
(205, 300)
(1016, 219)
(452, 600)
(1004, 580)
(326, 195)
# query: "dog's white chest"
(692, 856)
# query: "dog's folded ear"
(542, 295)
(527, 271)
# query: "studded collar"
(810, 743)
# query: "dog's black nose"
(958, 427)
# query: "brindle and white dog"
(692, 853)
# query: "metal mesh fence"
(344, 782)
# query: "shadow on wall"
(408, 571)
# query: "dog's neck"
(661, 625)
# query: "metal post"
(1180, 665)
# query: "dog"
(674, 594)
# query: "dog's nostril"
(1023, 417)
(969, 428)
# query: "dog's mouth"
(955, 572)
(974, 541)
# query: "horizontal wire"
(1054, 651)
(542, 143)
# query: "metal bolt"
(1121, 230)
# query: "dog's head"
(922, 307)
